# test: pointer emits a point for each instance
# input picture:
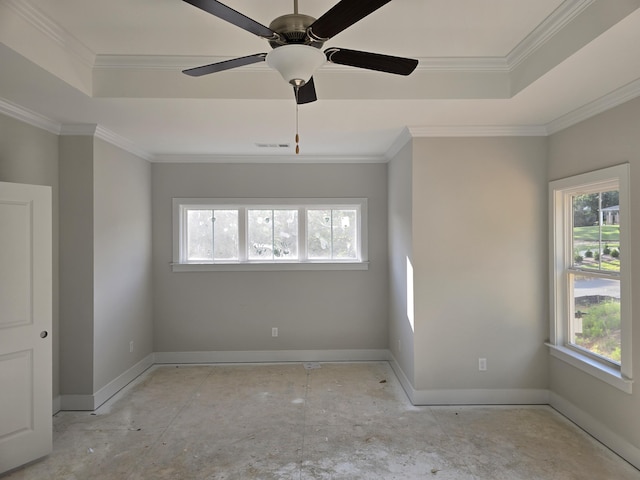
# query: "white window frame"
(180, 206)
(561, 223)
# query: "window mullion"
(566, 308)
(357, 234)
(242, 235)
(569, 330)
(302, 234)
(273, 234)
(600, 231)
(331, 235)
(183, 234)
(213, 235)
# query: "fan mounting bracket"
(293, 28)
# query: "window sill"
(266, 267)
(588, 365)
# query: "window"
(590, 279)
(272, 234)
(256, 234)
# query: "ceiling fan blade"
(228, 14)
(371, 61)
(225, 65)
(341, 16)
(306, 93)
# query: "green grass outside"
(610, 233)
(586, 239)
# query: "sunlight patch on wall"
(410, 294)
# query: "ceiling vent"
(273, 145)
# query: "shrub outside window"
(590, 279)
(237, 234)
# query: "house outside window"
(590, 274)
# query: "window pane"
(285, 232)
(596, 231)
(596, 323)
(199, 235)
(225, 235)
(260, 234)
(344, 234)
(273, 234)
(319, 234)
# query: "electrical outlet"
(482, 364)
(274, 332)
(131, 346)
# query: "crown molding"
(269, 159)
(178, 62)
(97, 131)
(79, 129)
(602, 104)
(156, 62)
(463, 64)
(28, 116)
(479, 131)
(34, 119)
(561, 16)
(47, 26)
(401, 140)
(123, 143)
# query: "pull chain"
(297, 89)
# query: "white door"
(25, 324)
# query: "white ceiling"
(490, 67)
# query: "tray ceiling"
(496, 67)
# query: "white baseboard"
(121, 381)
(477, 396)
(91, 402)
(76, 402)
(272, 356)
(480, 396)
(597, 429)
(402, 378)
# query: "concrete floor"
(311, 421)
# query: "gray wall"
(105, 256)
(401, 312)
(479, 246)
(122, 278)
(76, 265)
(608, 139)
(231, 311)
(30, 155)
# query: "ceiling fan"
(296, 40)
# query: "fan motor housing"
(292, 29)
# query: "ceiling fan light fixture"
(296, 63)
